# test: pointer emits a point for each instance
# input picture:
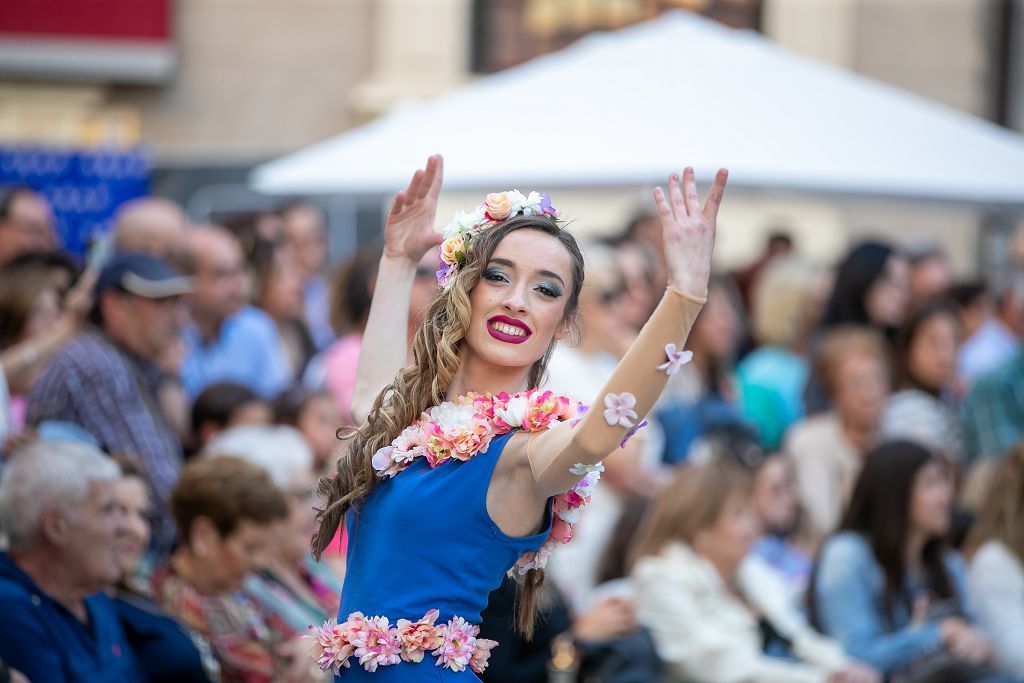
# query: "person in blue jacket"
(59, 512)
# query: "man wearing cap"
(107, 378)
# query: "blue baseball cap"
(142, 275)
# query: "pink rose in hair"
(498, 205)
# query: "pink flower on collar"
(619, 409)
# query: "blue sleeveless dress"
(423, 540)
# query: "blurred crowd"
(831, 488)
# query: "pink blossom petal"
(676, 359)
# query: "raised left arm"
(639, 379)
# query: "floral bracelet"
(373, 642)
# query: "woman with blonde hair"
(995, 574)
(786, 306)
(716, 616)
(462, 469)
(828, 449)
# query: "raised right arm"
(408, 235)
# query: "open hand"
(409, 230)
(689, 230)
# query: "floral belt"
(374, 642)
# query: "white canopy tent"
(626, 108)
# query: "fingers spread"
(438, 173)
(401, 199)
(715, 196)
(414, 185)
(690, 191)
(676, 194)
(664, 210)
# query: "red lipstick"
(517, 334)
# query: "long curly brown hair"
(424, 384)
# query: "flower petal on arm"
(619, 409)
(676, 359)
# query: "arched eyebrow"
(546, 273)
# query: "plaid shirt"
(111, 393)
(994, 411)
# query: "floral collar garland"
(462, 428)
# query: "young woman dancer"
(462, 468)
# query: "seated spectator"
(782, 544)
(107, 379)
(353, 288)
(31, 322)
(226, 510)
(993, 418)
(771, 379)
(885, 585)
(871, 289)
(972, 296)
(63, 526)
(642, 270)
(306, 235)
(924, 406)
(163, 648)
(223, 405)
(699, 397)
(827, 449)
(288, 582)
(777, 245)
(996, 571)
(315, 415)
(26, 223)
(228, 339)
(151, 225)
(930, 273)
(279, 293)
(999, 336)
(701, 607)
(350, 305)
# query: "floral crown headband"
(466, 225)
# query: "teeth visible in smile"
(508, 329)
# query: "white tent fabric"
(626, 108)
